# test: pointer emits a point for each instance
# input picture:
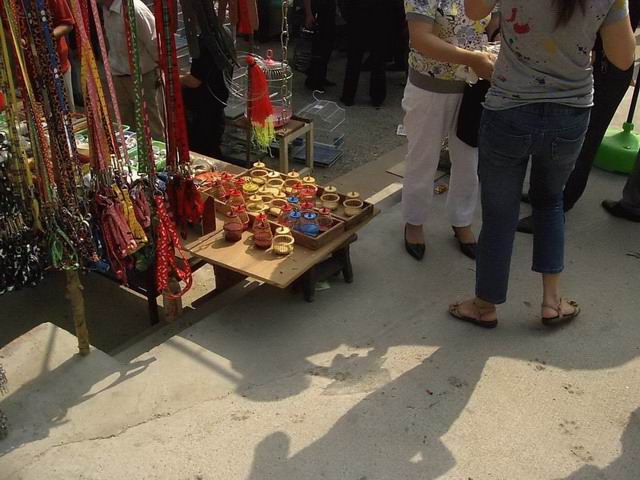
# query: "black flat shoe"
(617, 210)
(416, 250)
(525, 225)
(525, 198)
(468, 249)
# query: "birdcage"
(328, 129)
(279, 77)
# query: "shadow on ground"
(395, 431)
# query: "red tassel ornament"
(259, 108)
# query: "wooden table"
(234, 262)
(296, 128)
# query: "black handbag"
(471, 112)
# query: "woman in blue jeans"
(537, 108)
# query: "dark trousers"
(399, 40)
(205, 124)
(366, 32)
(631, 193)
(610, 86)
(323, 41)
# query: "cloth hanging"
(252, 20)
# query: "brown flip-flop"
(455, 312)
(560, 319)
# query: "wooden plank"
(242, 257)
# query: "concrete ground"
(374, 381)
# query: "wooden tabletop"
(242, 257)
(291, 126)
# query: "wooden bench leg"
(172, 306)
(309, 285)
(152, 304)
(225, 278)
(344, 257)
(154, 316)
(339, 262)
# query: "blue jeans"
(552, 136)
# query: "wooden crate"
(341, 221)
(350, 222)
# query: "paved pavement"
(373, 381)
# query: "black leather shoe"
(525, 198)
(416, 250)
(468, 249)
(617, 210)
(525, 225)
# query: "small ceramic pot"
(353, 196)
(330, 189)
(256, 207)
(291, 182)
(308, 180)
(352, 207)
(277, 183)
(330, 201)
(255, 199)
(259, 176)
(250, 188)
(278, 203)
(259, 165)
(293, 175)
(273, 174)
(282, 244)
(309, 192)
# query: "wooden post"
(75, 297)
(172, 306)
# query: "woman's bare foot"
(552, 310)
(475, 311)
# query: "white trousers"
(429, 118)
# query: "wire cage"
(328, 119)
(279, 79)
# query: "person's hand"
(482, 63)
(309, 21)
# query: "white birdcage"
(328, 130)
(328, 119)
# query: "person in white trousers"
(442, 40)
